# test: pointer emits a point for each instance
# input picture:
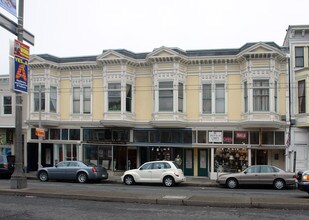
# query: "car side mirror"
(245, 172)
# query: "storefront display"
(231, 159)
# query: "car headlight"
(305, 177)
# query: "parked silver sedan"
(73, 170)
(258, 175)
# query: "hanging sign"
(21, 54)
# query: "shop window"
(54, 134)
(279, 138)
(240, 137)
(120, 135)
(140, 136)
(176, 137)
(165, 137)
(231, 159)
(268, 137)
(187, 136)
(215, 136)
(154, 136)
(64, 134)
(254, 137)
(227, 137)
(194, 137)
(74, 134)
(33, 134)
(201, 136)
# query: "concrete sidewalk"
(230, 201)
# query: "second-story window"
(166, 96)
(276, 96)
(180, 97)
(86, 100)
(85, 96)
(129, 98)
(260, 95)
(53, 99)
(114, 97)
(76, 100)
(7, 105)
(299, 57)
(206, 98)
(220, 98)
(245, 97)
(302, 96)
(39, 92)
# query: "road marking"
(174, 197)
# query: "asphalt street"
(236, 199)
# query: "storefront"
(234, 151)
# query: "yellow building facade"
(220, 110)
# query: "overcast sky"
(66, 28)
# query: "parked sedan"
(166, 172)
(73, 170)
(258, 174)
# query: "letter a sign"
(21, 53)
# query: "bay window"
(166, 96)
(114, 97)
(260, 95)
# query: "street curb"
(206, 201)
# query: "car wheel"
(128, 180)
(82, 177)
(279, 184)
(168, 181)
(43, 176)
(232, 183)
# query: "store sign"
(241, 135)
(21, 57)
(215, 136)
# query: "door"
(188, 163)
(145, 173)
(202, 162)
(250, 176)
(132, 159)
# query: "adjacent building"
(7, 117)
(297, 41)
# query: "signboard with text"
(21, 57)
(9, 5)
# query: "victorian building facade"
(220, 110)
(297, 41)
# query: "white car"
(166, 172)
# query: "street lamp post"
(18, 179)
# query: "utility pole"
(18, 179)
